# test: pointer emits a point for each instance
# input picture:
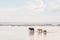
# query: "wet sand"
(22, 33)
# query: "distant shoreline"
(27, 24)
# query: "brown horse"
(44, 32)
(40, 30)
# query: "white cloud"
(53, 5)
(34, 6)
(32, 11)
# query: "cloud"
(33, 6)
(52, 5)
(33, 11)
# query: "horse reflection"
(39, 33)
(31, 33)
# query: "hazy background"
(29, 10)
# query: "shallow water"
(22, 33)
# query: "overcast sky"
(29, 10)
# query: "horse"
(40, 30)
(31, 29)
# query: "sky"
(29, 10)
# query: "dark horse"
(31, 29)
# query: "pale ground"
(22, 33)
